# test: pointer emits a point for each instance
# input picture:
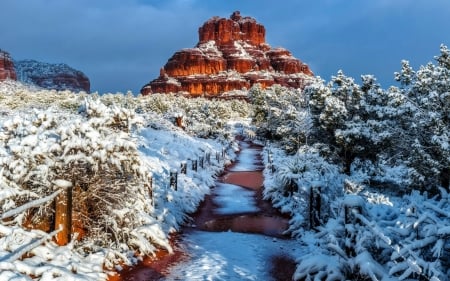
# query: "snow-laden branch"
(29, 205)
(374, 229)
(28, 247)
(436, 209)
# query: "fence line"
(63, 198)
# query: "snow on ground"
(233, 199)
(45, 260)
(164, 152)
(247, 159)
(230, 256)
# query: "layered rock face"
(7, 70)
(52, 76)
(231, 54)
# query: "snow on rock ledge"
(52, 76)
(237, 45)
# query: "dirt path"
(235, 206)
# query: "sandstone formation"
(52, 76)
(7, 70)
(231, 54)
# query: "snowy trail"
(227, 254)
(247, 159)
(226, 242)
(230, 256)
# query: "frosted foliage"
(289, 187)
(19, 96)
(406, 240)
(96, 156)
(282, 113)
(423, 239)
(45, 260)
(405, 128)
(201, 117)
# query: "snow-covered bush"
(289, 187)
(15, 95)
(200, 116)
(377, 239)
(422, 248)
(351, 243)
(96, 154)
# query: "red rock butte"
(232, 54)
(7, 70)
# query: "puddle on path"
(264, 219)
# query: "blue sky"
(122, 44)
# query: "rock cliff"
(52, 76)
(231, 54)
(7, 70)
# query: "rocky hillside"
(52, 76)
(231, 54)
(7, 70)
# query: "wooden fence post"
(353, 206)
(201, 160)
(174, 179)
(63, 216)
(183, 167)
(194, 165)
(314, 207)
(208, 157)
(179, 121)
(150, 191)
(270, 160)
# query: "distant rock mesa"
(7, 70)
(52, 76)
(232, 54)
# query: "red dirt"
(282, 268)
(252, 180)
(151, 268)
(271, 226)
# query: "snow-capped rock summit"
(52, 76)
(231, 54)
(7, 70)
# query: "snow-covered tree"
(405, 126)
(282, 114)
(426, 115)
